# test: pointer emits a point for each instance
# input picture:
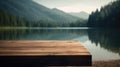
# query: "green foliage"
(34, 11)
(108, 16)
(10, 20)
(27, 13)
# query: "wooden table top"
(41, 48)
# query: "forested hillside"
(7, 19)
(11, 20)
(108, 16)
(31, 14)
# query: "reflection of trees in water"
(29, 34)
(11, 34)
(107, 38)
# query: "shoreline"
(108, 63)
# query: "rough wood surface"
(47, 52)
(38, 47)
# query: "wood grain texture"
(41, 47)
(46, 52)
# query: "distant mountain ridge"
(34, 11)
(82, 14)
(65, 15)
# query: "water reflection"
(41, 34)
(107, 38)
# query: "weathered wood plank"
(45, 52)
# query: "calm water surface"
(103, 44)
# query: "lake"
(103, 44)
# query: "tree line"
(107, 16)
(11, 20)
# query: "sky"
(74, 5)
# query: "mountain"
(107, 16)
(82, 15)
(65, 16)
(35, 12)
